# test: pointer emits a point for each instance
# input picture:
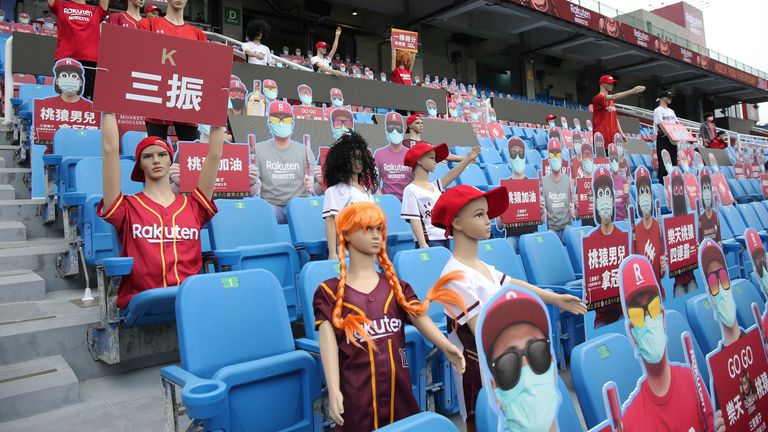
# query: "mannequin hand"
(455, 356)
(253, 175)
(339, 73)
(474, 153)
(336, 407)
(175, 173)
(663, 264)
(228, 137)
(338, 33)
(639, 89)
(259, 55)
(719, 421)
(572, 304)
(318, 174)
(308, 183)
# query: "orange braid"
(351, 324)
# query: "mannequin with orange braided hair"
(361, 316)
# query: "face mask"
(237, 103)
(432, 112)
(306, 99)
(588, 165)
(281, 130)
(532, 404)
(518, 165)
(645, 203)
(270, 94)
(605, 207)
(285, 50)
(453, 113)
(68, 85)
(473, 116)
(337, 133)
(343, 68)
(651, 339)
(725, 307)
(614, 166)
(552, 123)
(24, 20)
(668, 166)
(556, 164)
(684, 166)
(394, 137)
(337, 102)
(706, 195)
(493, 118)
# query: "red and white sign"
(163, 77)
(691, 187)
(24, 28)
(6, 27)
(677, 132)
(740, 170)
(739, 374)
(524, 203)
(585, 201)
(308, 113)
(682, 247)
(323, 156)
(495, 130)
(405, 40)
(128, 122)
(720, 184)
(545, 169)
(53, 113)
(764, 185)
(602, 256)
(755, 170)
(232, 180)
(479, 129)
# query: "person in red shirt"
(153, 11)
(128, 18)
(669, 397)
(158, 228)
(720, 142)
(78, 35)
(604, 118)
(402, 66)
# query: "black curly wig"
(338, 163)
(257, 26)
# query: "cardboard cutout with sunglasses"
(518, 364)
(342, 121)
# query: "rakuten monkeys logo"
(687, 55)
(580, 15)
(642, 37)
(78, 14)
(381, 327)
(159, 234)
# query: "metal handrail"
(8, 107)
(237, 45)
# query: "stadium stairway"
(45, 365)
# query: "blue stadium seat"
(728, 172)
(659, 194)
(399, 232)
(485, 141)
(531, 172)
(363, 118)
(460, 150)
(489, 155)
(739, 194)
(235, 375)
(507, 131)
(757, 188)
(647, 161)
(305, 220)
(30, 92)
(239, 249)
(607, 357)
(497, 173)
(676, 325)
(441, 169)
(69, 147)
(749, 189)
(761, 212)
(744, 294)
(474, 176)
(500, 254)
(424, 421)
(731, 216)
(533, 158)
(546, 261)
(751, 219)
(128, 143)
(573, 244)
(732, 250)
(540, 141)
(703, 323)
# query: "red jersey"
(709, 226)
(401, 75)
(647, 242)
(376, 384)
(163, 26)
(123, 19)
(678, 410)
(163, 241)
(78, 27)
(604, 118)
(718, 144)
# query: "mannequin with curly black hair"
(350, 174)
(257, 31)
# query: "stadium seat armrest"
(268, 368)
(203, 398)
(117, 266)
(52, 159)
(26, 115)
(763, 236)
(730, 245)
(73, 199)
(308, 345)
(227, 257)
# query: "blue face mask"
(706, 196)
(532, 404)
(394, 137)
(684, 166)
(305, 99)
(604, 206)
(588, 165)
(337, 133)
(518, 165)
(270, 95)
(668, 166)
(645, 203)
(281, 130)
(474, 116)
(337, 102)
(614, 166)
(551, 123)
(493, 118)
(556, 164)
(725, 307)
(453, 113)
(651, 339)
(432, 112)
(69, 85)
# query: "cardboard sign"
(232, 180)
(764, 184)
(677, 132)
(692, 187)
(405, 40)
(739, 383)
(546, 170)
(602, 256)
(164, 77)
(479, 129)
(740, 170)
(53, 113)
(524, 203)
(6, 27)
(585, 201)
(682, 247)
(495, 130)
(755, 170)
(308, 113)
(127, 122)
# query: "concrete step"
(4, 164)
(8, 152)
(27, 211)
(21, 286)
(11, 231)
(36, 386)
(57, 326)
(41, 256)
(15, 177)
(7, 192)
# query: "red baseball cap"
(269, 83)
(608, 79)
(237, 85)
(710, 252)
(67, 64)
(551, 117)
(321, 44)
(280, 107)
(587, 147)
(304, 89)
(454, 199)
(554, 145)
(137, 174)
(419, 149)
(412, 118)
(336, 92)
(642, 172)
(636, 276)
(601, 171)
(394, 117)
(152, 8)
(515, 142)
(513, 306)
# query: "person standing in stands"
(556, 202)
(720, 142)
(664, 114)
(173, 24)
(321, 61)
(707, 129)
(257, 31)
(466, 213)
(350, 174)
(153, 11)
(420, 196)
(415, 126)
(402, 66)
(78, 35)
(128, 18)
(395, 174)
(604, 118)
(159, 229)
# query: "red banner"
(740, 170)
(546, 170)
(764, 185)
(308, 113)
(495, 130)
(602, 256)
(755, 170)
(232, 180)
(164, 77)
(6, 27)
(691, 188)
(739, 373)
(720, 184)
(405, 40)
(682, 247)
(677, 132)
(54, 113)
(585, 202)
(524, 203)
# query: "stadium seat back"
(676, 325)
(129, 141)
(749, 189)
(744, 294)
(736, 189)
(74, 145)
(399, 232)
(608, 357)
(659, 194)
(29, 92)
(363, 118)
(761, 212)
(575, 246)
(531, 172)
(533, 158)
(500, 254)
(441, 169)
(749, 216)
(423, 421)
(497, 173)
(703, 323)
(460, 150)
(421, 268)
(734, 220)
(312, 274)
(227, 227)
(307, 226)
(489, 155)
(473, 176)
(545, 259)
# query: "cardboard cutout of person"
(341, 121)
(620, 183)
(599, 142)
(518, 362)
(395, 175)
(757, 253)
(236, 96)
(557, 201)
(709, 222)
(337, 97)
(431, 108)
(305, 95)
(680, 221)
(492, 115)
(647, 237)
(270, 90)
